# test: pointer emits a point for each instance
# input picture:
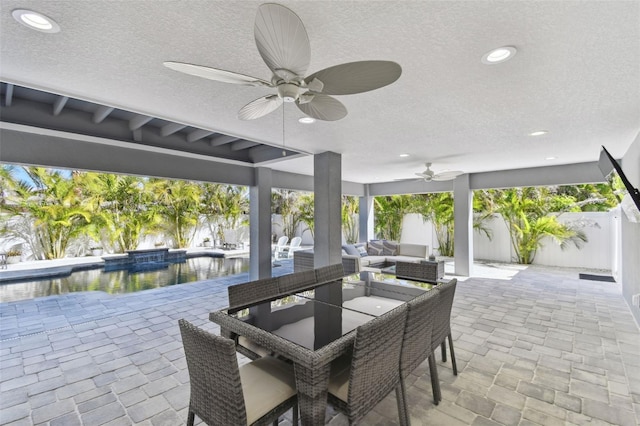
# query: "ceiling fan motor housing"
(288, 92)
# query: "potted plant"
(96, 251)
(14, 256)
(206, 242)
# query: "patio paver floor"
(541, 348)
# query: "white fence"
(597, 253)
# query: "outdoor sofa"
(374, 254)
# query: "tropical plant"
(526, 212)
(46, 212)
(389, 213)
(285, 203)
(122, 210)
(306, 209)
(350, 210)
(178, 203)
(222, 207)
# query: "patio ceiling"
(576, 75)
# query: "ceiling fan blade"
(216, 74)
(447, 175)
(282, 39)
(260, 107)
(356, 77)
(323, 107)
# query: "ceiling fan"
(283, 43)
(428, 175)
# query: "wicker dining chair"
(329, 273)
(297, 281)
(243, 295)
(442, 330)
(416, 346)
(223, 394)
(372, 373)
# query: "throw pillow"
(351, 249)
(390, 248)
(363, 251)
(375, 248)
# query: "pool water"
(125, 280)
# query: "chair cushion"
(266, 382)
(253, 346)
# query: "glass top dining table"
(315, 326)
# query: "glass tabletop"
(367, 292)
(307, 322)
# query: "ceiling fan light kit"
(283, 44)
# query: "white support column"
(365, 217)
(463, 223)
(327, 187)
(260, 225)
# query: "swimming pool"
(125, 280)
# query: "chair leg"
(435, 383)
(403, 407)
(191, 418)
(453, 356)
(443, 348)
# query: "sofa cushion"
(390, 248)
(416, 250)
(372, 260)
(351, 249)
(408, 259)
(375, 248)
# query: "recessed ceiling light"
(404, 155)
(307, 120)
(35, 21)
(539, 133)
(551, 158)
(499, 55)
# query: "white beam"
(8, 96)
(240, 145)
(101, 113)
(59, 104)
(139, 121)
(171, 128)
(219, 140)
(198, 134)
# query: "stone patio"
(541, 347)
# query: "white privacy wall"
(597, 253)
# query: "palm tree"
(47, 212)
(178, 203)
(350, 210)
(526, 213)
(235, 204)
(389, 213)
(122, 209)
(306, 208)
(285, 203)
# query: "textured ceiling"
(576, 74)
